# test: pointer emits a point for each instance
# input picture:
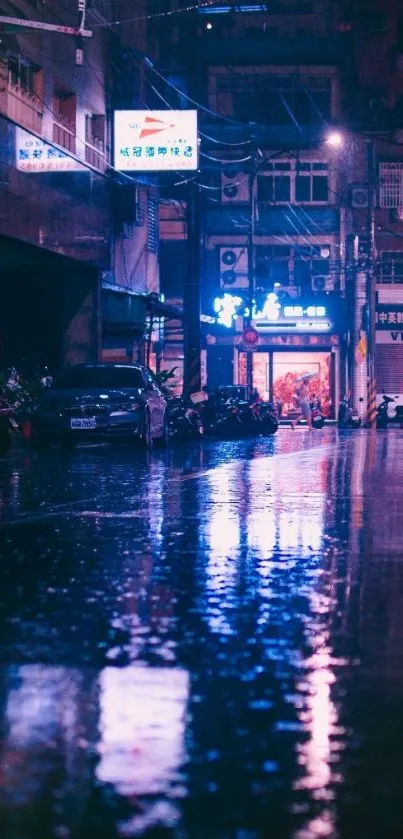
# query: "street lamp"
(364, 290)
(334, 139)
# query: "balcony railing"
(95, 153)
(20, 106)
(64, 133)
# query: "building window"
(311, 183)
(64, 119)
(391, 267)
(293, 182)
(22, 76)
(273, 265)
(275, 188)
(152, 219)
(312, 264)
(264, 97)
(95, 129)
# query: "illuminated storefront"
(294, 337)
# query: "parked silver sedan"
(101, 402)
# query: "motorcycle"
(347, 417)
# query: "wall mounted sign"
(273, 316)
(155, 141)
(389, 316)
(36, 156)
(395, 336)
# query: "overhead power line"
(154, 15)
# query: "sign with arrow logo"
(155, 141)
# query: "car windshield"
(107, 378)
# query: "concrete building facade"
(79, 242)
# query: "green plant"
(164, 377)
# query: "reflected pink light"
(262, 534)
(142, 728)
(315, 755)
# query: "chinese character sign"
(227, 309)
(155, 140)
(388, 316)
(34, 155)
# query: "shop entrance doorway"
(289, 367)
(276, 374)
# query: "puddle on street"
(203, 644)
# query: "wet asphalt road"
(204, 643)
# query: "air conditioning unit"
(359, 197)
(323, 284)
(234, 187)
(234, 267)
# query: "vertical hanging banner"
(156, 141)
(361, 350)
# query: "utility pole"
(365, 307)
(360, 343)
(251, 268)
(191, 296)
(371, 284)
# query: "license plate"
(89, 422)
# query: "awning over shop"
(163, 310)
(123, 312)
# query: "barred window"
(391, 185)
(391, 267)
(152, 218)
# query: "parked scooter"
(226, 421)
(347, 417)
(237, 417)
(184, 420)
(384, 416)
(269, 419)
(317, 417)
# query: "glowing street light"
(335, 139)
